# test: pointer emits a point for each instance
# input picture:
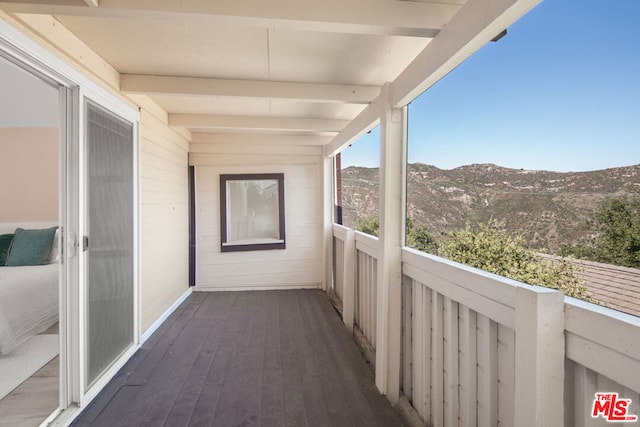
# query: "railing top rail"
(367, 243)
(456, 272)
(487, 293)
(364, 237)
(614, 329)
(603, 340)
(340, 231)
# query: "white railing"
(603, 355)
(356, 278)
(366, 286)
(339, 237)
(481, 350)
(459, 343)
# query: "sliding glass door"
(32, 270)
(109, 243)
(70, 160)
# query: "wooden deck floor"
(260, 358)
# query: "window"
(252, 212)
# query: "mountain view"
(546, 208)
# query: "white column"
(391, 236)
(539, 365)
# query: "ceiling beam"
(155, 85)
(464, 35)
(255, 123)
(383, 17)
(476, 24)
(361, 124)
(258, 139)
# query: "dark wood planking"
(263, 358)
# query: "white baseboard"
(145, 336)
(274, 287)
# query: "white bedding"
(28, 303)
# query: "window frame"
(225, 245)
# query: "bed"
(28, 298)
(28, 303)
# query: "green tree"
(616, 227)
(417, 236)
(491, 249)
(369, 224)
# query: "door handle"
(72, 244)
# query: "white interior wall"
(29, 147)
(300, 265)
(29, 174)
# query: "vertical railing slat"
(487, 372)
(407, 332)
(366, 303)
(418, 347)
(468, 366)
(348, 281)
(506, 375)
(339, 260)
(358, 287)
(437, 360)
(426, 352)
(450, 362)
(373, 307)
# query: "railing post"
(539, 364)
(348, 279)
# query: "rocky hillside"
(546, 208)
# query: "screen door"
(109, 239)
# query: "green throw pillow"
(5, 244)
(31, 247)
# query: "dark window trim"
(223, 212)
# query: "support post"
(348, 279)
(391, 239)
(539, 364)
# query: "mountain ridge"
(546, 208)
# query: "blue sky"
(561, 91)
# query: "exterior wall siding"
(300, 265)
(164, 217)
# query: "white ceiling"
(276, 66)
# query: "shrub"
(417, 236)
(494, 250)
(616, 227)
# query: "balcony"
(270, 358)
(474, 349)
(277, 88)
